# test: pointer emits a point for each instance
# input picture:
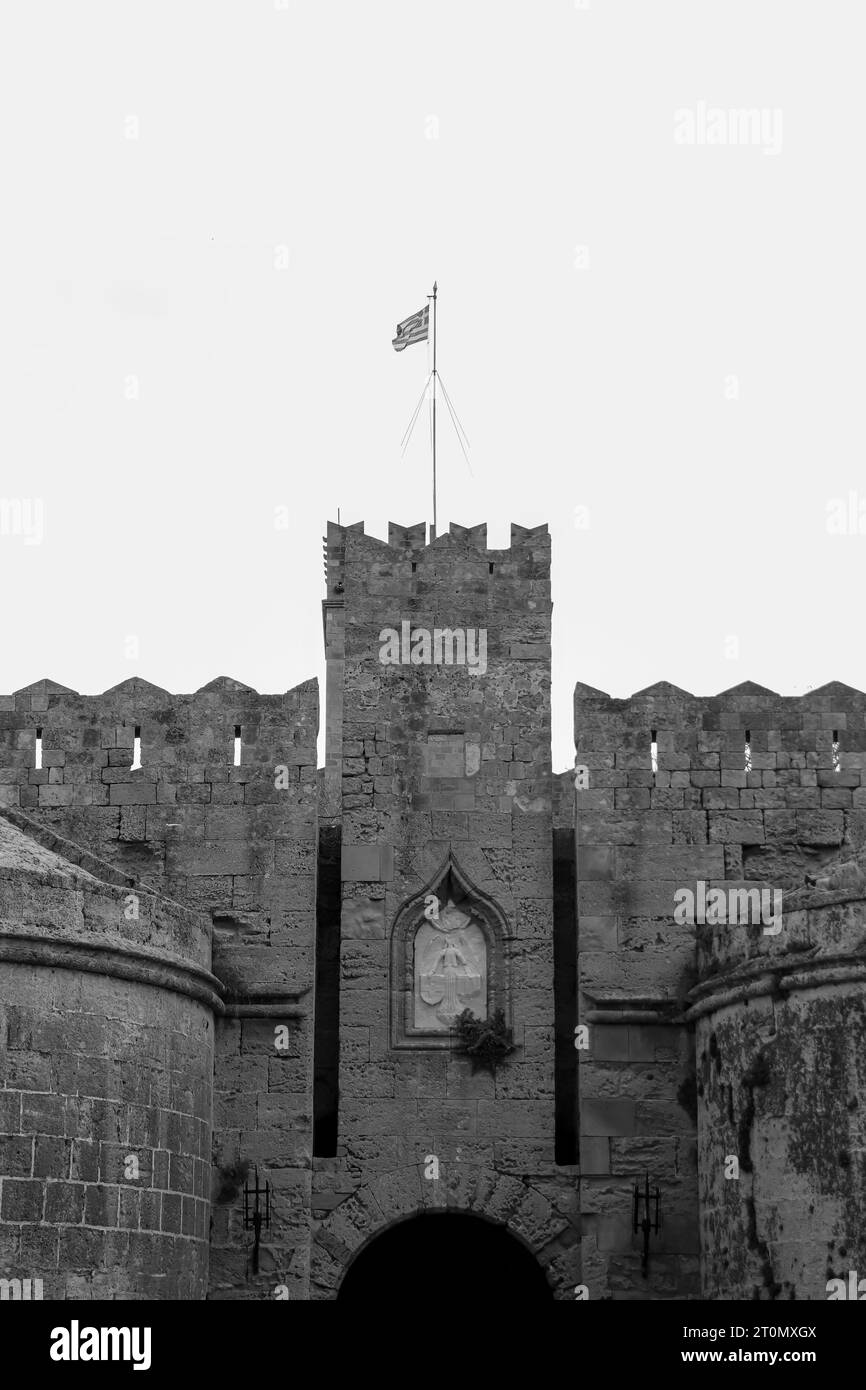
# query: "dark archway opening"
(442, 1251)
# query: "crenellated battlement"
(408, 545)
(744, 693)
(822, 730)
(776, 781)
(41, 691)
(86, 743)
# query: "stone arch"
(449, 880)
(548, 1230)
(438, 1250)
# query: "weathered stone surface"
(438, 778)
(223, 865)
(475, 760)
(732, 827)
(363, 919)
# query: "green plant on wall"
(485, 1041)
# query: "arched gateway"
(435, 1250)
(401, 1231)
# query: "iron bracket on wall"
(646, 1216)
(257, 1213)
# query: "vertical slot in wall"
(565, 996)
(326, 1042)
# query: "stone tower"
(439, 674)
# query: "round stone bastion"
(780, 1036)
(107, 1009)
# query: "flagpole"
(434, 410)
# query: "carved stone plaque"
(450, 967)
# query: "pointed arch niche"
(448, 953)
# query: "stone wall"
(446, 789)
(707, 1042)
(641, 837)
(238, 842)
(780, 1022)
(106, 1055)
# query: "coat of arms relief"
(450, 966)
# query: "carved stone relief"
(450, 966)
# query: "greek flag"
(412, 330)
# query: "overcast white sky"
(693, 376)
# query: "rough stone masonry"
(220, 970)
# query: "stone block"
(363, 919)
(43, 1114)
(10, 1104)
(595, 861)
(736, 827)
(367, 863)
(125, 793)
(609, 1042)
(597, 933)
(222, 857)
(64, 1203)
(514, 1119)
(22, 1200)
(614, 1232)
(16, 1156)
(599, 1118)
(820, 827)
(444, 755)
(594, 1155)
(54, 795)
